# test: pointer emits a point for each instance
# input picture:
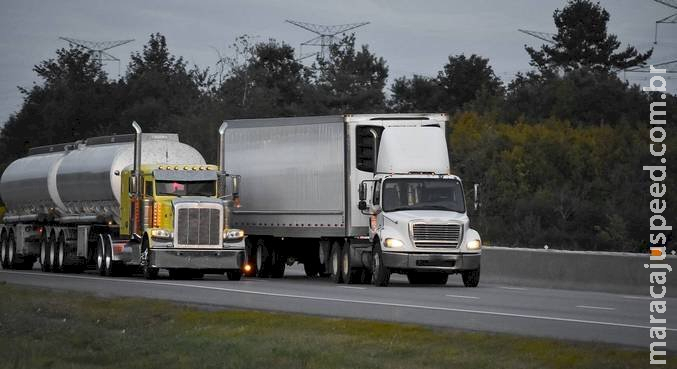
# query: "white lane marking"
(353, 287)
(637, 297)
(594, 307)
(513, 288)
(463, 297)
(364, 302)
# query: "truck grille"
(198, 227)
(436, 235)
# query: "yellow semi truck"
(119, 204)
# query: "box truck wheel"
(471, 278)
(263, 259)
(349, 274)
(336, 262)
(44, 254)
(380, 272)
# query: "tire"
(263, 260)
(109, 264)
(149, 272)
(336, 263)
(60, 257)
(311, 267)
(278, 266)
(44, 254)
(471, 278)
(11, 252)
(100, 255)
(234, 275)
(250, 256)
(349, 274)
(3, 250)
(52, 253)
(365, 276)
(380, 273)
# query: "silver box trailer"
(303, 178)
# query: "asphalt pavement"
(561, 314)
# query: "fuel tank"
(80, 182)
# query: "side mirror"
(236, 185)
(476, 192)
(363, 192)
(362, 205)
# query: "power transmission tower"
(672, 19)
(326, 35)
(545, 36)
(98, 48)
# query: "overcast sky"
(412, 36)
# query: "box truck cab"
(418, 222)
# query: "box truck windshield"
(422, 194)
(186, 188)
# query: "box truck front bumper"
(197, 259)
(451, 263)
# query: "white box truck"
(357, 197)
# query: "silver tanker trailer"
(119, 203)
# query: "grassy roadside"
(40, 328)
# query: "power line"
(98, 48)
(545, 36)
(671, 19)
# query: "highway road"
(561, 314)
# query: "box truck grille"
(436, 235)
(198, 227)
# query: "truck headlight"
(161, 234)
(233, 234)
(474, 245)
(393, 243)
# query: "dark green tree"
(582, 41)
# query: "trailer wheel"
(349, 274)
(263, 259)
(380, 273)
(44, 254)
(100, 255)
(471, 278)
(311, 267)
(60, 256)
(11, 251)
(336, 263)
(3, 250)
(234, 275)
(52, 252)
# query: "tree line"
(557, 151)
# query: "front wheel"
(380, 273)
(471, 278)
(336, 263)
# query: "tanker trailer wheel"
(61, 257)
(263, 259)
(52, 253)
(100, 255)
(44, 254)
(471, 278)
(11, 251)
(336, 262)
(349, 273)
(3, 250)
(110, 268)
(380, 273)
(148, 271)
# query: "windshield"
(186, 188)
(422, 194)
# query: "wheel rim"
(61, 254)
(52, 255)
(43, 251)
(10, 252)
(99, 258)
(345, 263)
(377, 263)
(3, 251)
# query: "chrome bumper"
(432, 262)
(197, 259)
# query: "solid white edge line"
(463, 297)
(513, 288)
(594, 307)
(353, 287)
(637, 297)
(378, 303)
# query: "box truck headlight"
(393, 243)
(474, 245)
(233, 234)
(161, 234)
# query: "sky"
(414, 37)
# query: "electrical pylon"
(326, 35)
(98, 48)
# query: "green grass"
(40, 328)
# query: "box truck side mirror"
(362, 205)
(363, 193)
